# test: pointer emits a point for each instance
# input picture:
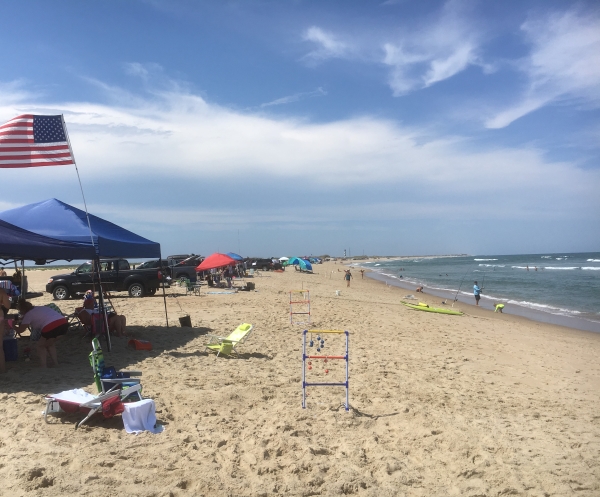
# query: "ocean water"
(556, 288)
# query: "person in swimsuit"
(49, 323)
(347, 277)
(5, 305)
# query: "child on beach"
(347, 277)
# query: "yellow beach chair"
(227, 345)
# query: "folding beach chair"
(72, 319)
(227, 345)
(72, 401)
(107, 378)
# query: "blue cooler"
(11, 350)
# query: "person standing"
(477, 293)
(347, 277)
(362, 274)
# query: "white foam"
(492, 265)
(593, 260)
(378, 264)
(485, 260)
(591, 268)
(562, 268)
(546, 257)
(545, 308)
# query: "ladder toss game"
(307, 361)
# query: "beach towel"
(141, 416)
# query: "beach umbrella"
(214, 261)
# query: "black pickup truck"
(115, 275)
(184, 266)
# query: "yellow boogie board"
(424, 307)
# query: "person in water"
(477, 292)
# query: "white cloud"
(328, 46)
(425, 55)
(564, 63)
(319, 92)
(181, 135)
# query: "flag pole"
(97, 255)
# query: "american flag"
(32, 141)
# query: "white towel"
(76, 396)
(141, 416)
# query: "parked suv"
(264, 264)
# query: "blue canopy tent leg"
(162, 284)
(103, 306)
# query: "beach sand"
(477, 405)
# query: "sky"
(295, 127)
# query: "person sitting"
(46, 326)
(116, 323)
(10, 288)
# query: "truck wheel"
(136, 290)
(60, 293)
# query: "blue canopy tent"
(55, 219)
(18, 244)
(302, 263)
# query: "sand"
(478, 405)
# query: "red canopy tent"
(214, 261)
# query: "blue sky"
(296, 127)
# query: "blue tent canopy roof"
(60, 221)
(17, 243)
(235, 256)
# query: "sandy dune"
(476, 405)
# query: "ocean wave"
(593, 260)
(378, 264)
(485, 260)
(546, 308)
(492, 265)
(562, 268)
(546, 257)
(591, 268)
